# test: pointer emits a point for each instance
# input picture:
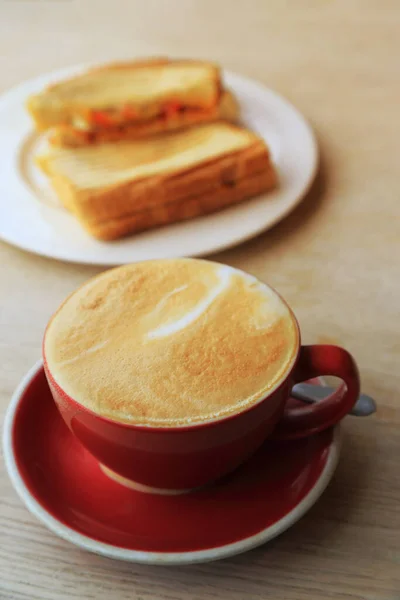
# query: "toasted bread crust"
(194, 206)
(116, 201)
(152, 62)
(152, 201)
(45, 119)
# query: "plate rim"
(139, 556)
(213, 246)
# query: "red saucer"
(62, 484)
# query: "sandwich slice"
(125, 187)
(131, 100)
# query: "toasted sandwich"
(131, 100)
(125, 187)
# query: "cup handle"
(314, 361)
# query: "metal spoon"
(309, 393)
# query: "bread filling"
(91, 133)
(127, 115)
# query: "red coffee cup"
(173, 459)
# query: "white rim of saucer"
(139, 556)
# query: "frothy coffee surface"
(170, 342)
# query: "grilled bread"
(131, 100)
(120, 188)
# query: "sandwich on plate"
(131, 100)
(115, 189)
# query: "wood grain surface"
(336, 259)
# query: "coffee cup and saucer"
(160, 426)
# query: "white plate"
(31, 217)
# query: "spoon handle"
(310, 393)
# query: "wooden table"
(336, 259)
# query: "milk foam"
(171, 342)
(225, 276)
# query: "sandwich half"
(125, 187)
(131, 100)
